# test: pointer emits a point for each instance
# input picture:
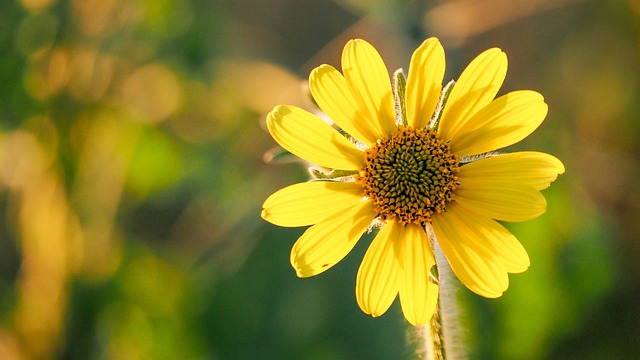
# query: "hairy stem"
(436, 335)
(441, 339)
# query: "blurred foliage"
(132, 173)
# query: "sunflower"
(420, 164)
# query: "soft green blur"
(133, 169)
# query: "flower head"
(423, 168)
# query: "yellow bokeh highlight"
(47, 229)
(105, 145)
(37, 5)
(152, 93)
(100, 17)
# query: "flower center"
(409, 175)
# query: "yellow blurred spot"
(105, 144)
(46, 228)
(458, 20)
(90, 73)
(152, 93)
(47, 77)
(261, 85)
(9, 347)
(634, 5)
(100, 17)
(37, 5)
(57, 71)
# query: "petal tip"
(319, 70)
(560, 167)
(415, 321)
(278, 112)
(301, 274)
(301, 271)
(432, 40)
(496, 55)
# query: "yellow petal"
(331, 92)
(529, 168)
(500, 201)
(379, 274)
(505, 121)
(370, 85)
(496, 238)
(418, 296)
(311, 139)
(478, 85)
(329, 241)
(476, 265)
(309, 203)
(424, 83)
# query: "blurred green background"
(132, 173)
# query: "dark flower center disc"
(409, 175)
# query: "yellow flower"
(429, 176)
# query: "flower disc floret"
(409, 175)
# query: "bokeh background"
(133, 169)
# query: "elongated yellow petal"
(424, 83)
(378, 277)
(331, 92)
(496, 238)
(500, 201)
(529, 168)
(329, 241)
(475, 264)
(309, 203)
(477, 86)
(369, 82)
(418, 296)
(310, 138)
(505, 121)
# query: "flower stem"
(441, 338)
(436, 335)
